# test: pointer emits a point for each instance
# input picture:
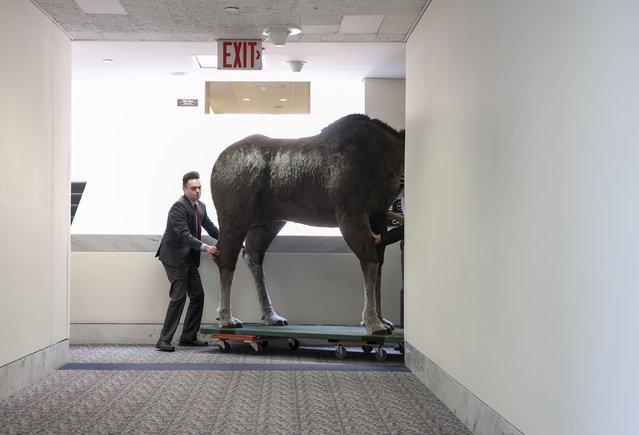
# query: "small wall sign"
(187, 102)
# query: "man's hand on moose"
(213, 251)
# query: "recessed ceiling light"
(231, 9)
(283, 99)
(246, 99)
(107, 60)
(178, 73)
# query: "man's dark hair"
(193, 175)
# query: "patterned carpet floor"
(129, 389)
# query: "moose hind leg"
(257, 242)
(378, 298)
(357, 234)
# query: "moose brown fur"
(346, 176)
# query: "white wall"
(522, 274)
(133, 157)
(132, 144)
(35, 98)
(131, 288)
(386, 99)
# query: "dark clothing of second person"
(180, 252)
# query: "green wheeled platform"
(257, 335)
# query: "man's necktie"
(197, 221)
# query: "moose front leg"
(269, 316)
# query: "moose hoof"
(231, 323)
(382, 331)
(378, 329)
(388, 324)
(275, 320)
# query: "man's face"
(193, 189)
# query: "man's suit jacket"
(179, 239)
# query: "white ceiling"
(159, 59)
(339, 38)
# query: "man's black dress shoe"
(164, 346)
(193, 343)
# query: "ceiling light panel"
(361, 23)
(276, 98)
(113, 7)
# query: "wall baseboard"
(478, 417)
(18, 374)
(116, 333)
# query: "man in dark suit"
(179, 252)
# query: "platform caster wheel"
(381, 354)
(224, 346)
(367, 349)
(341, 352)
(257, 347)
(293, 343)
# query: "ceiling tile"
(101, 6)
(360, 23)
(206, 20)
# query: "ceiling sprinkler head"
(278, 34)
(296, 65)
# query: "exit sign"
(239, 54)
